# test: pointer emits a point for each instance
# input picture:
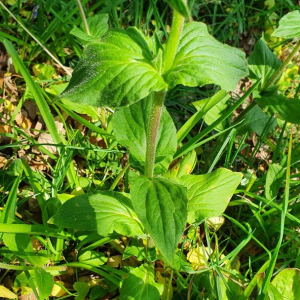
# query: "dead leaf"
(115, 261)
(3, 162)
(5, 129)
(6, 293)
(46, 138)
(23, 121)
(31, 109)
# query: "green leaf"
(97, 292)
(209, 104)
(209, 194)
(117, 71)
(44, 282)
(286, 109)
(289, 26)
(161, 205)
(140, 285)
(201, 60)
(263, 63)
(275, 175)
(181, 7)
(98, 25)
(184, 167)
(82, 288)
(255, 120)
(93, 258)
(131, 126)
(215, 112)
(104, 212)
(287, 284)
(20, 244)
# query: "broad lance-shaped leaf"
(104, 212)
(140, 285)
(255, 120)
(286, 285)
(289, 26)
(117, 71)
(131, 126)
(201, 60)
(286, 109)
(209, 194)
(44, 282)
(263, 63)
(161, 205)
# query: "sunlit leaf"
(117, 71)
(201, 59)
(209, 194)
(104, 212)
(140, 285)
(161, 205)
(289, 26)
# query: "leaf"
(289, 26)
(117, 71)
(286, 109)
(275, 175)
(98, 25)
(263, 63)
(287, 284)
(140, 285)
(255, 120)
(20, 244)
(181, 7)
(215, 112)
(44, 282)
(191, 122)
(184, 167)
(201, 60)
(131, 126)
(209, 194)
(161, 205)
(104, 212)
(93, 258)
(82, 288)
(6, 293)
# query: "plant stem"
(85, 23)
(277, 74)
(120, 175)
(155, 114)
(173, 39)
(159, 97)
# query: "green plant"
(135, 75)
(132, 73)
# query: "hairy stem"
(159, 97)
(173, 40)
(85, 23)
(154, 120)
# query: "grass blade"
(42, 105)
(271, 267)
